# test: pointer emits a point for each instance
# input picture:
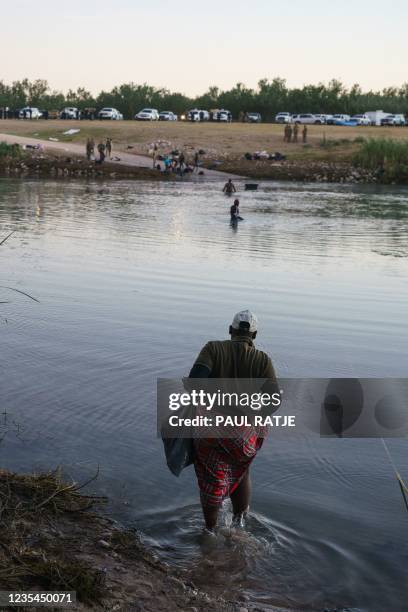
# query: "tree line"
(268, 98)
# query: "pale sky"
(188, 46)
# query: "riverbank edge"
(54, 537)
(34, 166)
(318, 171)
(45, 166)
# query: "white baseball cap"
(245, 316)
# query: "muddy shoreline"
(52, 537)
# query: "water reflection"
(132, 278)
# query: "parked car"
(30, 112)
(70, 112)
(222, 115)
(167, 116)
(320, 119)
(109, 113)
(338, 119)
(198, 115)
(283, 118)
(361, 119)
(253, 117)
(305, 118)
(147, 114)
(393, 120)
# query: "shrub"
(10, 150)
(387, 157)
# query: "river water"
(132, 279)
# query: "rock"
(104, 544)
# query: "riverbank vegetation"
(52, 539)
(387, 157)
(268, 98)
(10, 151)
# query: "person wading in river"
(222, 465)
(234, 210)
(229, 187)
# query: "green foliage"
(269, 98)
(387, 157)
(10, 150)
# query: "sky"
(189, 46)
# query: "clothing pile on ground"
(259, 155)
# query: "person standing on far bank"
(295, 132)
(108, 147)
(222, 465)
(304, 134)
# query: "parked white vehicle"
(198, 115)
(69, 112)
(109, 113)
(222, 115)
(393, 120)
(167, 116)
(30, 112)
(147, 114)
(305, 118)
(338, 117)
(283, 118)
(320, 119)
(361, 119)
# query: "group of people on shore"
(291, 134)
(104, 149)
(175, 161)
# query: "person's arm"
(199, 371)
(203, 365)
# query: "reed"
(387, 157)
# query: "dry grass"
(223, 141)
(29, 555)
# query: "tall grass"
(10, 150)
(385, 155)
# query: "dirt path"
(128, 159)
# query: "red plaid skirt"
(220, 465)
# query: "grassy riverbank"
(222, 141)
(331, 153)
(52, 539)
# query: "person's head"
(244, 323)
(230, 180)
(236, 202)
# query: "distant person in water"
(229, 187)
(234, 210)
(222, 465)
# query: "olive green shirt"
(235, 358)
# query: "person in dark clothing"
(196, 161)
(101, 151)
(108, 147)
(182, 162)
(234, 210)
(229, 187)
